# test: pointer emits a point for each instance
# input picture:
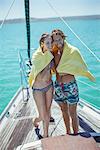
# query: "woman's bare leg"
(36, 121)
(65, 113)
(49, 98)
(74, 117)
(40, 99)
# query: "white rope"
(97, 58)
(88, 85)
(7, 14)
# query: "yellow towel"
(39, 61)
(72, 63)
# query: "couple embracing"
(56, 56)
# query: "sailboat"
(16, 128)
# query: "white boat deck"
(17, 128)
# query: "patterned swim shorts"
(66, 92)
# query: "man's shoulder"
(69, 45)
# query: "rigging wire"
(1, 25)
(54, 9)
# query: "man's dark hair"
(59, 32)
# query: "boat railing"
(24, 86)
(23, 76)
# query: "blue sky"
(41, 9)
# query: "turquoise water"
(13, 38)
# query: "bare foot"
(36, 121)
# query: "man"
(68, 63)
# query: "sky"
(41, 8)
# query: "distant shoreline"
(21, 20)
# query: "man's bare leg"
(74, 117)
(65, 113)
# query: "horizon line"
(37, 18)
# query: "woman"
(42, 84)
